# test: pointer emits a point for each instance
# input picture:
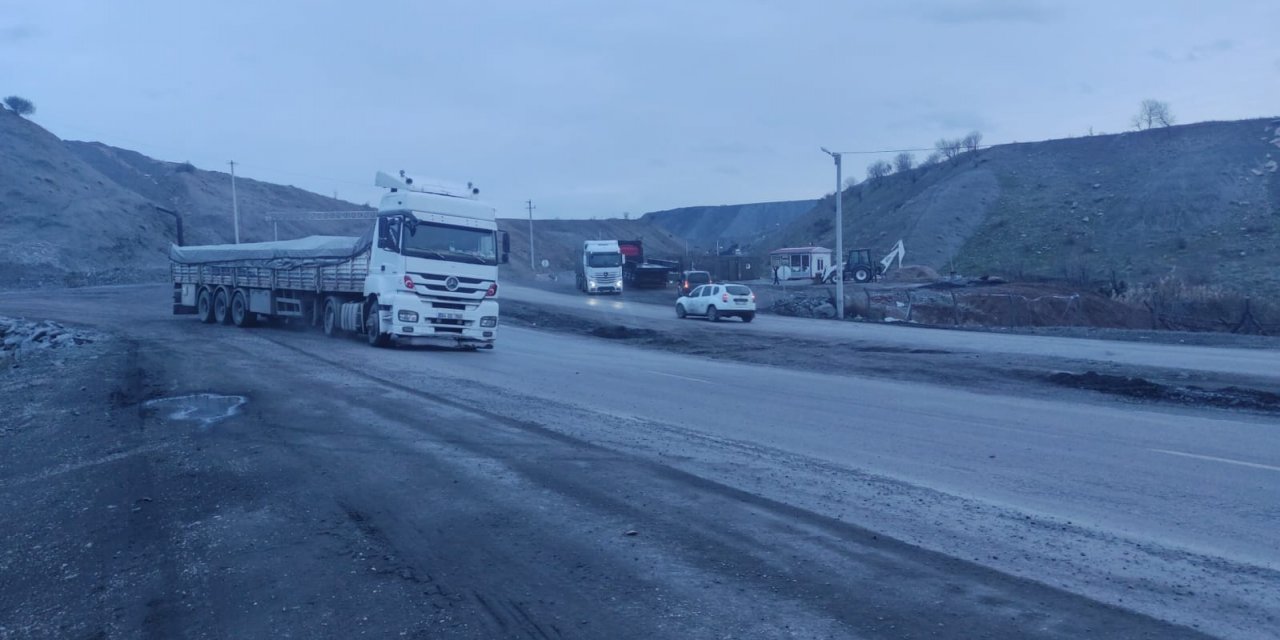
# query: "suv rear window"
(699, 277)
(738, 290)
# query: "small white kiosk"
(805, 262)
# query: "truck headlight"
(591, 284)
(407, 316)
(489, 321)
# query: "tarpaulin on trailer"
(280, 254)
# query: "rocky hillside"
(78, 213)
(742, 224)
(204, 197)
(62, 221)
(1199, 202)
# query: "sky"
(599, 109)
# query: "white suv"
(716, 301)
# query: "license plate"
(449, 316)
(740, 300)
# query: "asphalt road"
(1254, 362)
(568, 487)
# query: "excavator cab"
(859, 267)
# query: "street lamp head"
(826, 151)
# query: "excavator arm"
(897, 253)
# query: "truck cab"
(599, 269)
(433, 267)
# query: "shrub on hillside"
(878, 169)
(185, 167)
(20, 105)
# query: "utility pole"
(835, 155)
(235, 208)
(529, 205)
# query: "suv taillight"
(724, 297)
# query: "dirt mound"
(1228, 397)
(913, 273)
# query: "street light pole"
(235, 207)
(835, 155)
(529, 205)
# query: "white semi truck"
(425, 272)
(599, 269)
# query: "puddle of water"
(204, 409)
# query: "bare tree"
(903, 162)
(878, 169)
(932, 159)
(972, 141)
(20, 105)
(949, 148)
(1153, 113)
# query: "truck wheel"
(241, 316)
(681, 312)
(331, 322)
(221, 306)
(713, 314)
(862, 274)
(204, 305)
(748, 317)
(373, 328)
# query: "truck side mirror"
(506, 248)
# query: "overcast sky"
(597, 108)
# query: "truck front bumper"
(413, 322)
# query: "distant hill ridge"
(1199, 202)
(745, 225)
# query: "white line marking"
(1216, 459)
(672, 375)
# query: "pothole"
(204, 409)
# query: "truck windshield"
(597, 260)
(447, 242)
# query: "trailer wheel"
(713, 314)
(221, 306)
(204, 305)
(331, 323)
(241, 316)
(373, 327)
